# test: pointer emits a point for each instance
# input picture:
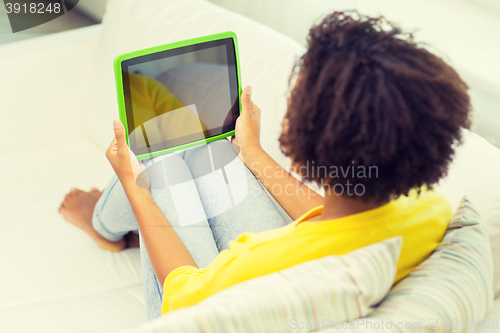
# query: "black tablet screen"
(181, 95)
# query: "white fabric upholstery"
(475, 173)
(455, 283)
(54, 279)
(44, 88)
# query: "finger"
(111, 149)
(246, 101)
(255, 109)
(120, 136)
(112, 146)
(236, 147)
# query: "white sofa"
(54, 278)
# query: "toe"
(95, 192)
(76, 191)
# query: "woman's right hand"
(247, 130)
(123, 160)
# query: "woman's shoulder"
(426, 196)
(430, 204)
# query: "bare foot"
(77, 209)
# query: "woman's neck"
(337, 206)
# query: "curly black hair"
(365, 96)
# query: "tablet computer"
(179, 95)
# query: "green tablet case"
(117, 64)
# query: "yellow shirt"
(422, 221)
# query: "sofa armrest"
(44, 88)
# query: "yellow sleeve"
(182, 288)
(187, 285)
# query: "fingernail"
(116, 123)
(249, 90)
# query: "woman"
(373, 118)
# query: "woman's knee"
(168, 171)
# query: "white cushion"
(44, 88)
(46, 257)
(334, 288)
(266, 56)
(106, 312)
(54, 276)
(475, 173)
(450, 288)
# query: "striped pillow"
(451, 291)
(300, 298)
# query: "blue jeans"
(208, 196)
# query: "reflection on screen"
(180, 96)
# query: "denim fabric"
(208, 196)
